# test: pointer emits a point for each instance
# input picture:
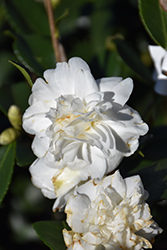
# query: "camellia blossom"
(82, 127)
(110, 214)
(159, 57)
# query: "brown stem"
(53, 30)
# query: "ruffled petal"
(42, 177)
(40, 145)
(85, 84)
(36, 124)
(65, 180)
(122, 91)
(106, 84)
(75, 212)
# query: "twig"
(53, 30)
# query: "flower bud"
(55, 3)
(14, 116)
(8, 135)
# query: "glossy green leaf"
(154, 18)
(27, 16)
(34, 52)
(132, 59)
(24, 154)
(24, 71)
(7, 155)
(50, 232)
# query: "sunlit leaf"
(50, 232)
(7, 155)
(154, 18)
(23, 71)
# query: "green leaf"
(24, 154)
(50, 232)
(17, 93)
(27, 16)
(6, 98)
(131, 58)
(24, 71)
(35, 52)
(155, 20)
(7, 72)
(20, 93)
(7, 155)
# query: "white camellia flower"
(159, 57)
(110, 214)
(82, 127)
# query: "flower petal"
(85, 84)
(65, 180)
(106, 84)
(74, 210)
(40, 146)
(41, 177)
(161, 86)
(157, 53)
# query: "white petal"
(89, 189)
(40, 145)
(122, 91)
(133, 183)
(161, 87)
(61, 201)
(36, 124)
(64, 75)
(106, 84)
(157, 53)
(118, 183)
(98, 167)
(85, 84)
(49, 76)
(113, 161)
(41, 91)
(42, 177)
(164, 63)
(66, 179)
(75, 212)
(92, 238)
(94, 98)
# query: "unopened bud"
(8, 135)
(14, 116)
(55, 3)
